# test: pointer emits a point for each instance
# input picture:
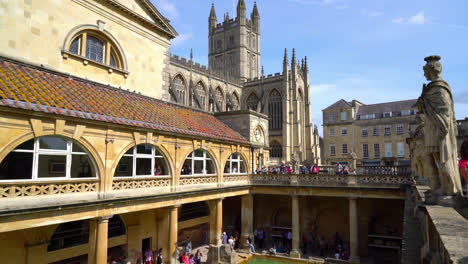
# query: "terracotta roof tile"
(32, 88)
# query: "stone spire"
(285, 60)
(255, 13)
(213, 12)
(212, 20)
(263, 73)
(293, 60)
(241, 12)
(191, 54)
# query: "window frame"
(68, 153)
(401, 146)
(194, 158)
(331, 117)
(135, 155)
(391, 150)
(345, 115)
(344, 148)
(330, 130)
(344, 131)
(375, 131)
(389, 128)
(239, 160)
(377, 150)
(364, 132)
(365, 151)
(400, 129)
(332, 147)
(387, 114)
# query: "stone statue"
(437, 111)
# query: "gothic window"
(219, 99)
(142, 161)
(235, 165)
(199, 162)
(47, 158)
(235, 102)
(201, 94)
(276, 150)
(252, 102)
(275, 110)
(94, 46)
(219, 45)
(179, 89)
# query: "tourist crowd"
(303, 169)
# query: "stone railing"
(235, 177)
(132, 183)
(11, 190)
(331, 180)
(194, 180)
(383, 170)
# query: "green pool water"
(260, 260)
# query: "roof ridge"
(389, 102)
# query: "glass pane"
(199, 153)
(75, 46)
(209, 167)
(234, 167)
(129, 152)
(112, 60)
(187, 167)
(226, 167)
(144, 149)
(235, 156)
(160, 167)
(157, 152)
(94, 49)
(77, 148)
(143, 166)
(243, 169)
(125, 167)
(81, 167)
(52, 166)
(52, 143)
(199, 167)
(16, 166)
(29, 145)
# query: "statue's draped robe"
(440, 132)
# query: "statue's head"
(433, 68)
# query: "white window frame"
(400, 129)
(387, 114)
(377, 151)
(375, 131)
(365, 151)
(37, 151)
(388, 150)
(238, 160)
(343, 148)
(345, 129)
(405, 112)
(151, 156)
(389, 128)
(331, 117)
(332, 147)
(400, 149)
(364, 132)
(332, 131)
(204, 159)
(343, 116)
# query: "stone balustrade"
(21, 189)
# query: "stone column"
(173, 228)
(101, 241)
(219, 220)
(247, 218)
(295, 227)
(92, 241)
(353, 231)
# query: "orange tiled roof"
(36, 89)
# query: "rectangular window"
(332, 150)
(401, 149)
(405, 112)
(387, 114)
(376, 151)
(369, 116)
(364, 132)
(332, 131)
(375, 131)
(399, 129)
(365, 151)
(343, 116)
(344, 148)
(387, 130)
(344, 131)
(388, 149)
(331, 117)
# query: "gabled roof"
(339, 104)
(396, 106)
(37, 89)
(161, 22)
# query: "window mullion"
(68, 160)
(134, 163)
(35, 159)
(83, 45)
(152, 161)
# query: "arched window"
(179, 89)
(252, 102)
(235, 165)
(235, 102)
(219, 99)
(142, 161)
(275, 110)
(97, 47)
(201, 93)
(47, 158)
(77, 233)
(276, 150)
(199, 162)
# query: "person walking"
(149, 256)
(159, 258)
(224, 238)
(251, 246)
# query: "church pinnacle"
(213, 12)
(293, 60)
(255, 11)
(285, 60)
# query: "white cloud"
(418, 19)
(167, 7)
(322, 88)
(181, 38)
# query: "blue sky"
(367, 50)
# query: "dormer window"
(387, 114)
(405, 112)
